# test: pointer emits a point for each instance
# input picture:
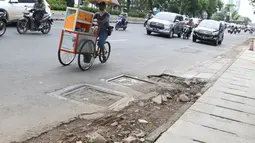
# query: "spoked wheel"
(107, 51)
(46, 27)
(22, 26)
(86, 55)
(2, 28)
(65, 58)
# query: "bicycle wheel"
(107, 51)
(86, 55)
(65, 58)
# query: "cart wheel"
(65, 58)
(107, 51)
(86, 55)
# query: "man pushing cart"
(82, 32)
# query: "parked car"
(15, 8)
(210, 31)
(166, 23)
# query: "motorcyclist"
(125, 15)
(191, 23)
(39, 8)
(150, 15)
(103, 21)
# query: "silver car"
(166, 23)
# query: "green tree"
(235, 16)
(70, 3)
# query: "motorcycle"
(251, 31)
(121, 22)
(146, 20)
(232, 30)
(238, 30)
(187, 32)
(3, 22)
(28, 23)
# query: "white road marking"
(118, 40)
(55, 27)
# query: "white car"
(15, 8)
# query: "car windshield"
(209, 24)
(166, 16)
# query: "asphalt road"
(29, 69)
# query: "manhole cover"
(187, 50)
(141, 85)
(90, 95)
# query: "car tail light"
(49, 6)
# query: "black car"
(209, 31)
(3, 23)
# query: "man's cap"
(102, 3)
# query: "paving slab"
(228, 104)
(205, 75)
(223, 125)
(228, 97)
(174, 139)
(203, 134)
(224, 113)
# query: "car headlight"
(167, 27)
(215, 33)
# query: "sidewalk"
(60, 16)
(225, 113)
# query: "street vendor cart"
(80, 37)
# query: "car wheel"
(171, 34)
(148, 32)
(194, 39)
(216, 42)
(219, 42)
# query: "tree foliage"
(193, 8)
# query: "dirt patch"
(179, 85)
(135, 121)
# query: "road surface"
(29, 69)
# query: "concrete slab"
(228, 104)
(190, 74)
(224, 113)
(204, 75)
(221, 95)
(231, 86)
(232, 82)
(216, 66)
(203, 134)
(232, 127)
(240, 71)
(174, 139)
(231, 91)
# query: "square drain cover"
(90, 95)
